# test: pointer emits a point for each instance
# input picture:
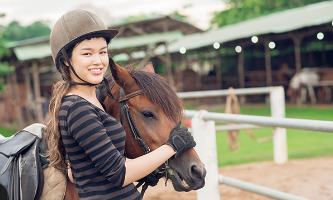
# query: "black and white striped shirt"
(95, 145)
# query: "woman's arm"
(144, 165)
(180, 140)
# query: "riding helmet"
(74, 26)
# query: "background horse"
(306, 76)
(321, 79)
(324, 93)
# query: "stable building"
(28, 88)
(264, 51)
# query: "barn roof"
(280, 22)
(41, 47)
(140, 33)
(155, 24)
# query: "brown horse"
(155, 111)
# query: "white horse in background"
(308, 77)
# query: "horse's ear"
(148, 67)
(120, 75)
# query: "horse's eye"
(148, 115)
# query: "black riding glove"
(180, 139)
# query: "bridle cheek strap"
(124, 110)
(135, 132)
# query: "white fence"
(203, 129)
(277, 105)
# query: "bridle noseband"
(124, 109)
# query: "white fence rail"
(277, 105)
(204, 132)
(291, 123)
(264, 191)
(219, 93)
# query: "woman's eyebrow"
(87, 48)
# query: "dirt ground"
(309, 178)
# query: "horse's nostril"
(197, 172)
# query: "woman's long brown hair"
(55, 148)
(53, 145)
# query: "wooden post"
(39, 109)
(310, 59)
(17, 104)
(169, 67)
(218, 71)
(2, 105)
(180, 81)
(8, 99)
(323, 57)
(165, 26)
(241, 75)
(268, 64)
(297, 42)
(241, 70)
(29, 101)
(199, 78)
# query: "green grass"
(301, 144)
(6, 132)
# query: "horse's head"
(155, 112)
(293, 88)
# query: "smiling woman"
(90, 60)
(82, 137)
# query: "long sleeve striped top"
(95, 145)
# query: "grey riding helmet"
(75, 26)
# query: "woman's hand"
(180, 140)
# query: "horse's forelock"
(160, 93)
(157, 90)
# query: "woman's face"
(90, 60)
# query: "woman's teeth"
(95, 70)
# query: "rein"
(124, 110)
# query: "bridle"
(134, 130)
(124, 110)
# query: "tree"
(14, 31)
(36, 29)
(240, 10)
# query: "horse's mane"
(156, 89)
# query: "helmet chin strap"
(108, 90)
(64, 53)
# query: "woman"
(80, 133)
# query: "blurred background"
(197, 45)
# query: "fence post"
(205, 137)
(277, 101)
